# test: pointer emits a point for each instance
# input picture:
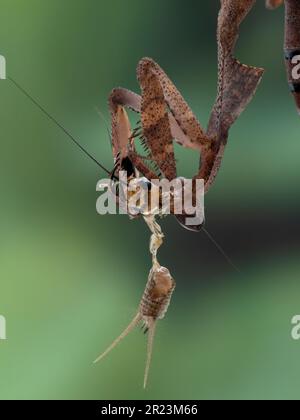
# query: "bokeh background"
(71, 280)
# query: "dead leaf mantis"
(292, 44)
(165, 117)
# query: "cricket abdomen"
(157, 295)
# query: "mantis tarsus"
(165, 117)
(292, 42)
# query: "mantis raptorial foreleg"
(150, 74)
(119, 100)
(122, 98)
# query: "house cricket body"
(155, 300)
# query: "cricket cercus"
(166, 117)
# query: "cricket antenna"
(58, 124)
(124, 334)
(151, 336)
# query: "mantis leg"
(237, 84)
(165, 115)
(155, 120)
(119, 100)
(182, 121)
(125, 157)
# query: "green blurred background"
(71, 280)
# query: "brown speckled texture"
(166, 116)
(157, 295)
(237, 84)
(155, 120)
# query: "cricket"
(155, 301)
